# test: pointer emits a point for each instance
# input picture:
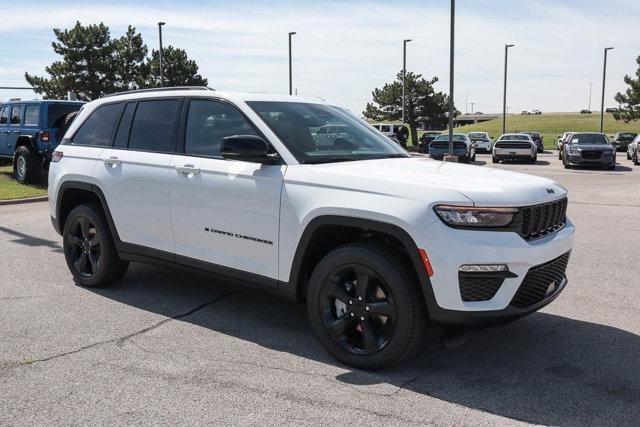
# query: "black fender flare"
(293, 287)
(31, 143)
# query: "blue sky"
(344, 49)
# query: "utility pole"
(404, 72)
(604, 78)
(290, 68)
(472, 104)
(466, 101)
(451, 74)
(504, 93)
(160, 24)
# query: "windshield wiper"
(393, 156)
(334, 159)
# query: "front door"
(224, 212)
(4, 131)
(15, 119)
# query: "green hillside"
(550, 125)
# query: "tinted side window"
(31, 115)
(122, 135)
(15, 115)
(210, 121)
(99, 127)
(152, 126)
(4, 115)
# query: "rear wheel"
(628, 155)
(636, 160)
(365, 307)
(494, 159)
(89, 249)
(27, 166)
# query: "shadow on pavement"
(28, 240)
(542, 369)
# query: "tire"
(89, 248)
(636, 160)
(567, 166)
(534, 159)
(628, 155)
(402, 134)
(494, 160)
(336, 313)
(27, 166)
(68, 119)
(559, 155)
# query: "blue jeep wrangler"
(30, 131)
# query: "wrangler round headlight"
(474, 217)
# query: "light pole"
(404, 71)
(451, 73)
(472, 104)
(466, 103)
(160, 24)
(590, 88)
(504, 92)
(291, 33)
(604, 76)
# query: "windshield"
(534, 134)
(628, 135)
(589, 138)
(318, 133)
(514, 138)
(446, 138)
(477, 135)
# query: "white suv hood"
(484, 186)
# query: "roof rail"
(159, 89)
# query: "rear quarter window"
(99, 127)
(32, 115)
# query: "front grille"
(473, 287)
(591, 154)
(535, 286)
(544, 219)
(507, 145)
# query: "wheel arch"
(28, 141)
(316, 241)
(73, 193)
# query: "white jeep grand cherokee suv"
(378, 243)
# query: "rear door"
(224, 212)
(4, 131)
(134, 174)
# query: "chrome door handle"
(188, 169)
(113, 161)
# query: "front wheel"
(27, 166)
(89, 249)
(364, 306)
(494, 159)
(559, 155)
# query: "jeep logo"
(550, 190)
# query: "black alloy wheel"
(83, 246)
(357, 309)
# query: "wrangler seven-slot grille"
(540, 220)
(541, 282)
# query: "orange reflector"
(427, 263)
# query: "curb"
(23, 201)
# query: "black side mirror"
(248, 148)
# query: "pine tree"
(129, 53)
(178, 69)
(630, 100)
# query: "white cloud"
(343, 50)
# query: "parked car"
(612, 110)
(379, 244)
(515, 146)
(632, 151)
(30, 131)
(565, 137)
(482, 141)
(397, 132)
(585, 111)
(536, 112)
(426, 139)
(525, 112)
(538, 139)
(462, 147)
(621, 140)
(588, 149)
(326, 135)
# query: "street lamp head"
(509, 45)
(406, 40)
(608, 48)
(292, 33)
(161, 24)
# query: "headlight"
(574, 150)
(473, 217)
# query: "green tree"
(422, 103)
(86, 65)
(630, 100)
(129, 53)
(178, 69)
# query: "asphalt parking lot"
(169, 346)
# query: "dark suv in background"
(30, 131)
(538, 139)
(621, 140)
(588, 149)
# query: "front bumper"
(577, 160)
(449, 248)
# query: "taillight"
(45, 136)
(56, 156)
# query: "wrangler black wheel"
(364, 306)
(89, 248)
